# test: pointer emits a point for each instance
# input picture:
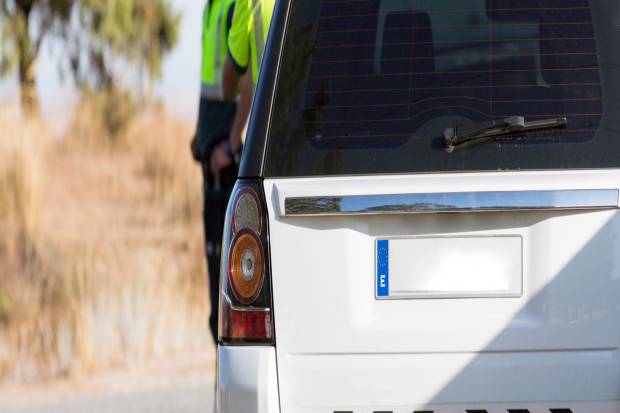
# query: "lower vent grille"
(466, 411)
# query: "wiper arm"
(460, 135)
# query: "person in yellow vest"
(210, 145)
(246, 43)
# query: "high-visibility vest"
(248, 34)
(214, 46)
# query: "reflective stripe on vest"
(211, 92)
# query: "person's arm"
(243, 113)
(231, 79)
(238, 57)
(220, 159)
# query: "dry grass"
(100, 246)
(21, 157)
(164, 144)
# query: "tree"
(95, 35)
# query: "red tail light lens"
(245, 292)
(247, 325)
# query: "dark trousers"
(215, 119)
(214, 216)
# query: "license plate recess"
(449, 267)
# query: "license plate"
(449, 267)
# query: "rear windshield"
(370, 86)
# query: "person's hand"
(219, 160)
(194, 146)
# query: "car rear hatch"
(407, 277)
(482, 308)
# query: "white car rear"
(377, 265)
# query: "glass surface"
(369, 86)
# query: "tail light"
(245, 286)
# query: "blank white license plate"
(449, 267)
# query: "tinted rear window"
(370, 86)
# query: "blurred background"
(102, 274)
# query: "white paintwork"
(339, 348)
(456, 267)
(247, 380)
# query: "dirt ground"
(183, 384)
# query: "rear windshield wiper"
(461, 135)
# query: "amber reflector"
(246, 266)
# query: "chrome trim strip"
(451, 202)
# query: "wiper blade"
(460, 135)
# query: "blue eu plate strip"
(383, 268)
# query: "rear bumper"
(247, 380)
(248, 383)
(534, 382)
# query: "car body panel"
(247, 380)
(338, 346)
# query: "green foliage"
(98, 37)
(139, 31)
(7, 52)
